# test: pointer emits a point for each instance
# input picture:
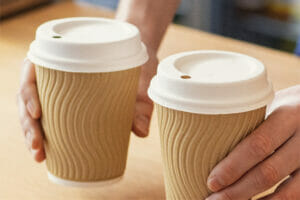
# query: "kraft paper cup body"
(206, 102)
(87, 73)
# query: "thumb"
(144, 105)
(141, 122)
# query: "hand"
(30, 109)
(144, 105)
(269, 154)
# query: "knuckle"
(260, 146)
(286, 196)
(227, 173)
(23, 117)
(27, 123)
(281, 109)
(292, 113)
(297, 111)
(23, 91)
(226, 195)
(23, 120)
(144, 98)
(268, 176)
(289, 112)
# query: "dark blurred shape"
(273, 23)
(10, 7)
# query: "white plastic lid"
(211, 82)
(87, 44)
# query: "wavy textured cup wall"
(192, 144)
(87, 119)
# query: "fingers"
(32, 132)
(253, 149)
(144, 105)
(289, 190)
(28, 95)
(28, 90)
(141, 122)
(27, 75)
(30, 112)
(282, 163)
(33, 135)
(38, 155)
(36, 149)
(288, 96)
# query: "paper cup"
(207, 102)
(87, 73)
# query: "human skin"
(269, 154)
(152, 20)
(261, 160)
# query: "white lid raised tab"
(211, 82)
(87, 44)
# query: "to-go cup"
(87, 73)
(206, 102)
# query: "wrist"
(151, 17)
(145, 32)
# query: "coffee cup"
(87, 73)
(206, 102)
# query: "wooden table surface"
(22, 178)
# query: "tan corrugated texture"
(192, 144)
(144, 157)
(87, 118)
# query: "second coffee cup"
(87, 77)
(206, 102)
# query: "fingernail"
(30, 107)
(214, 184)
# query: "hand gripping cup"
(207, 102)
(87, 73)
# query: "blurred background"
(271, 23)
